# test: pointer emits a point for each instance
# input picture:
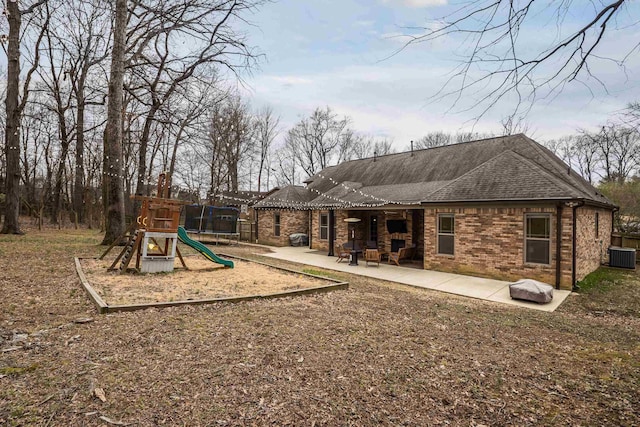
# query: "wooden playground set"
(152, 239)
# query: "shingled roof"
(506, 168)
(291, 196)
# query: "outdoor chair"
(403, 253)
(341, 252)
(372, 255)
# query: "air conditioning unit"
(622, 257)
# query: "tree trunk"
(78, 188)
(12, 135)
(64, 152)
(142, 156)
(113, 179)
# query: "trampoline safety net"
(210, 219)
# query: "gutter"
(516, 200)
(573, 245)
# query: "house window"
(445, 234)
(324, 226)
(537, 238)
(597, 223)
(276, 224)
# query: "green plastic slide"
(184, 238)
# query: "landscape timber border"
(104, 308)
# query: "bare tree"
(315, 140)
(266, 129)
(364, 146)
(186, 118)
(434, 139)
(618, 149)
(159, 65)
(586, 155)
(87, 45)
(499, 61)
(439, 139)
(14, 108)
(112, 179)
(512, 125)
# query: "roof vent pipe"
(412, 147)
(375, 155)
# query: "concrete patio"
(468, 286)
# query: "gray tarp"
(531, 290)
(299, 239)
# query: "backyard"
(377, 353)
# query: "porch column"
(332, 237)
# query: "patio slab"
(468, 286)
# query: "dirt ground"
(203, 280)
(376, 354)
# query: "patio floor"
(469, 286)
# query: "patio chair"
(372, 255)
(402, 254)
(341, 252)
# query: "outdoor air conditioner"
(622, 257)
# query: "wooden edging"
(99, 302)
(105, 308)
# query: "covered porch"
(387, 230)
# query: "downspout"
(256, 213)
(310, 226)
(332, 238)
(558, 245)
(573, 246)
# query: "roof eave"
(521, 200)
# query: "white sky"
(332, 53)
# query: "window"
(537, 238)
(597, 223)
(276, 224)
(445, 234)
(324, 226)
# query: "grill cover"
(299, 239)
(531, 290)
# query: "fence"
(627, 241)
(247, 231)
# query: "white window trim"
(320, 226)
(536, 215)
(279, 215)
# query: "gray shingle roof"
(497, 169)
(292, 196)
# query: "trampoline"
(212, 221)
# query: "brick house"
(502, 207)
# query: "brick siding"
(591, 249)
(362, 228)
(490, 242)
(291, 221)
(342, 233)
